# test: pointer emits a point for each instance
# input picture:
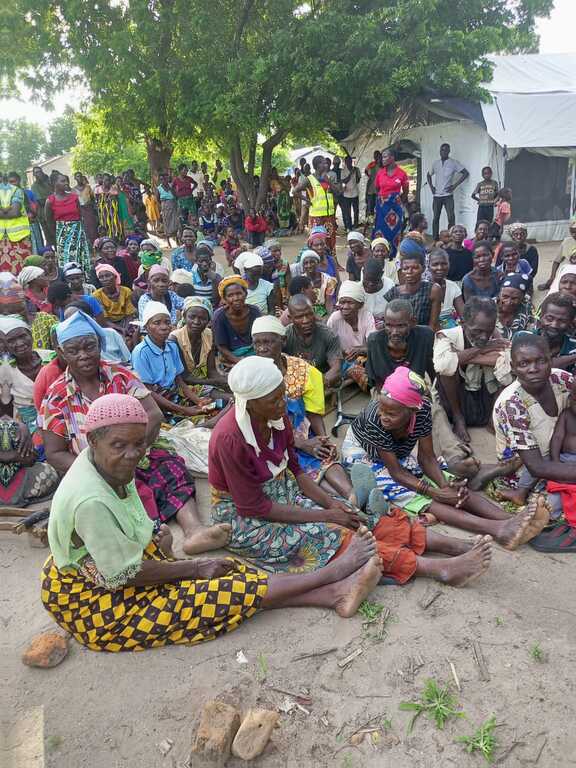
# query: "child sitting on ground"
(562, 448)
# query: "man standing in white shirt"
(349, 200)
(198, 177)
(445, 170)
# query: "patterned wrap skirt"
(12, 255)
(72, 244)
(135, 618)
(272, 546)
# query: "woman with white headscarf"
(280, 518)
(352, 323)
(35, 284)
(261, 293)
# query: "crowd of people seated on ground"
(111, 343)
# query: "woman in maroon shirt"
(183, 187)
(391, 184)
(64, 222)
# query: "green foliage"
(483, 740)
(370, 610)
(62, 135)
(21, 144)
(249, 73)
(436, 702)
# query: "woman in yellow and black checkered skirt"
(116, 587)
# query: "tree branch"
(248, 5)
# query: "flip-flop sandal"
(363, 481)
(427, 519)
(377, 503)
(561, 538)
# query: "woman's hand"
(454, 495)
(212, 568)
(321, 448)
(25, 446)
(340, 514)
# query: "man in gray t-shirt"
(448, 174)
(311, 340)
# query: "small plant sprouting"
(483, 740)
(262, 667)
(370, 610)
(537, 653)
(437, 702)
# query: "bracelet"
(423, 487)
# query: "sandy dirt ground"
(112, 711)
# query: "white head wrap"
(150, 241)
(152, 309)
(309, 254)
(251, 378)
(182, 277)
(11, 322)
(252, 260)
(268, 324)
(28, 274)
(565, 269)
(352, 236)
(239, 261)
(350, 289)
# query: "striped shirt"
(371, 435)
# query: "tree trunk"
(267, 150)
(159, 156)
(243, 180)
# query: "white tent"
(527, 134)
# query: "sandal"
(561, 538)
(363, 481)
(427, 519)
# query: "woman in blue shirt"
(157, 362)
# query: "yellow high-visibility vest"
(18, 228)
(322, 203)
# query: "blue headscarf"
(80, 324)
(409, 247)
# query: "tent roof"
(533, 101)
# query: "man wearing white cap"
(358, 254)
(353, 324)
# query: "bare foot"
(205, 538)
(540, 520)
(485, 474)
(355, 589)
(467, 467)
(512, 532)
(460, 430)
(515, 495)
(461, 570)
(361, 548)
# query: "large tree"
(253, 72)
(62, 133)
(23, 145)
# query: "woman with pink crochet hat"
(116, 587)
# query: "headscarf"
(415, 235)
(251, 378)
(197, 301)
(150, 241)
(407, 388)
(252, 260)
(350, 289)
(273, 242)
(265, 254)
(205, 244)
(11, 322)
(516, 227)
(158, 269)
(565, 269)
(410, 247)
(268, 324)
(515, 280)
(29, 274)
(99, 268)
(43, 251)
(153, 308)
(73, 268)
(132, 239)
(182, 277)
(308, 253)
(352, 237)
(100, 242)
(33, 261)
(80, 324)
(231, 280)
(11, 292)
(149, 259)
(318, 233)
(380, 241)
(108, 410)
